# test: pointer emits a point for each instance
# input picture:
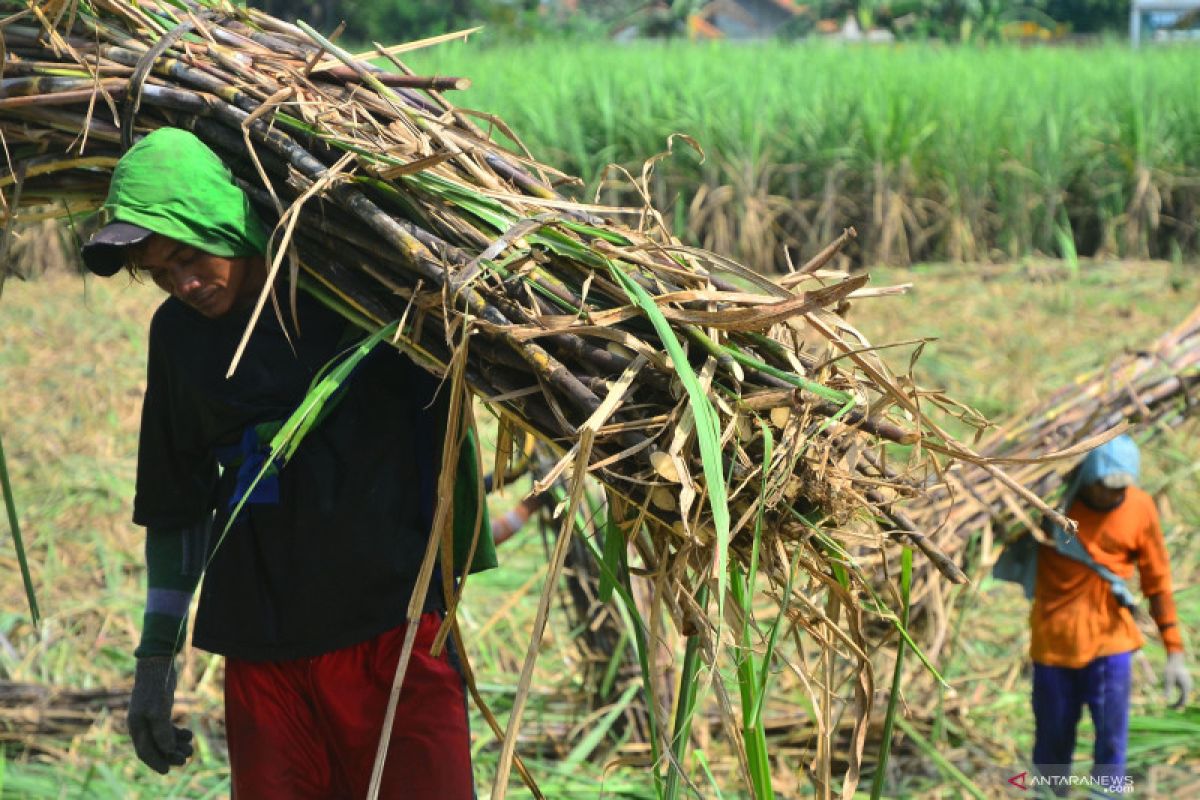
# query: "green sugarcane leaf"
(753, 733)
(610, 236)
(563, 245)
(840, 574)
(820, 390)
(906, 563)
(614, 558)
(335, 304)
(942, 763)
(297, 426)
(902, 628)
(182, 6)
(14, 527)
(580, 752)
(703, 761)
(615, 660)
(624, 591)
(685, 708)
(889, 722)
(481, 206)
(773, 637)
(708, 431)
(768, 453)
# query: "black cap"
(104, 254)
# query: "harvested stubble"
(724, 412)
(30, 712)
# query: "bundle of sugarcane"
(1144, 391)
(739, 421)
(410, 211)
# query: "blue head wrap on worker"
(1116, 464)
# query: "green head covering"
(172, 184)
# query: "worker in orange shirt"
(1083, 630)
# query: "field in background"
(934, 153)
(71, 368)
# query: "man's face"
(1102, 498)
(212, 285)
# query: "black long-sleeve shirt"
(332, 561)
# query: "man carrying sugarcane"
(1083, 630)
(306, 590)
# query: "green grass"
(71, 366)
(933, 152)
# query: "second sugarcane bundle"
(739, 419)
(1146, 390)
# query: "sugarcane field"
(579, 399)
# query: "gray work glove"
(1176, 676)
(158, 743)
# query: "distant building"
(743, 19)
(1164, 21)
(851, 31)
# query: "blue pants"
(1059, 694)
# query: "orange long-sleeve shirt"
(1075, 616)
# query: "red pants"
(309, 728)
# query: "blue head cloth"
(1114, 459)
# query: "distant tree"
(314, 12)
(657, 19)
(1090, 16)
(382, 20)
(953, 20)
